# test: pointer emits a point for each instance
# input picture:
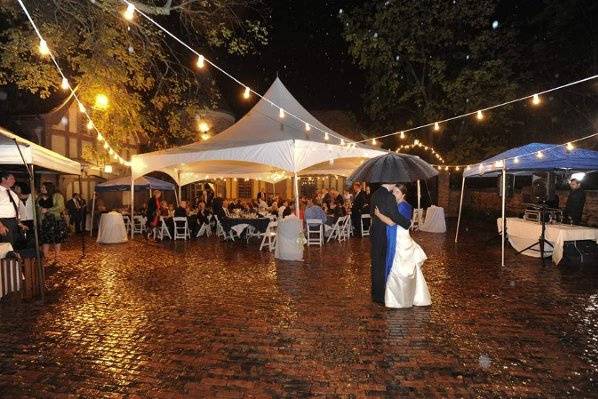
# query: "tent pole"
(504, 220)
(460, 208)
(131, 219)
(419, 195)
(93, 207)
(296, 189)
(179, 184)
(38, 259)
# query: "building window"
(244, 188)
(73, 148)
(59, 144)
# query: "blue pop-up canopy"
(142, 183)
(525, 159)
(535, 157)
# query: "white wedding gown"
(405, 285)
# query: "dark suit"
(356, 208)
(74, 208)
(575, 204)
(387, 204)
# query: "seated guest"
(281, 209)
(575, 202)
(313, 211)
(164, 209)
(336, 210)
(202, 213)
(261, 203)
(287, 211)
(274, 208)
(218, 207)
(326, 197)
(181, 210)
(10, 228)
(337, 197)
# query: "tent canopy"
(525, 158)
(142, 183)
(262, 146)
(34, 155)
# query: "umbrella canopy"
(142, 183)
(393, 168)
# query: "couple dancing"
(397, 279)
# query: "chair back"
(366, 223)
(181, 228)
(315, 232)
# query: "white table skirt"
(523, 233)
(5, 248)
(288, 233)
(111, 229)
(435, 221)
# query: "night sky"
(309, 54)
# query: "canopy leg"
(504, 220)
(93, 207)
(131, 219)
(460, 209)
(296, 189)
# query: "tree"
(430, 60)
(154, 91)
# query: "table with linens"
(111, 229)
(289, 239)
(435, 221)
(523, 233)
(240, 224)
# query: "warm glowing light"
(101, 101)
(402, 135)
(129, 14)
(203, 127)
(540, 154)
(498, 164)
(457, 168)
(65, 84)
(107, 168)
(446, 168)
(106, 146)
(281, 113)
(479, 115)
(536, 99)
(342, 142)
(100, 137)
(43, 47)
(201, 61)
(436, 126)
(516, 160)
(246, 93)
(205, 136)
(89, 125)
(570, 146)
(468, 167)
(374, 142)
(307, 127)
(81, 107)
(326, 136)
(415, 142)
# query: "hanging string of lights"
(540, 154)
(44, 51)
(419, 144)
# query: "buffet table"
(111, 229)
(523, 233)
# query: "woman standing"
(54, 230)
(153, 213)
(405, 283)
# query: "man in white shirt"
(25, 205)
(9, 210)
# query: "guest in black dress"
(54, 230)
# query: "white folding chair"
(269, 237)
(163, 232)
(138, 225)
(127, 221)
(219, 229)
(345, 230)
(365, 231)
(181, 228)
(205, 229)
(315, 232)
(336, 229)
(417, 219)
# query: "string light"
(43, 47)
(342, 142)
(536, 99)
(89, 125)
(516, 160)
(570, 146)
(540, 154)
(436, 126)
(480, 115)
(307, 127)
(402, 135)
(129, 14)
(281, 113)
(201, 61)
(101, 101)
(106, 145)
(326, 136)
(65, 84)
(246, 93)
(82, 108)
(100, 137)
(374, 142)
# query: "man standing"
(74, 208)
(384, 200)
(575, 202)
(9, 210)
(357, 207)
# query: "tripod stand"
(542, 242)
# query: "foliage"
(155, 92)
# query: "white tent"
(34, 155)
(262, 145)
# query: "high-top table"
(111, 229)
(523, 233)
(435, 221)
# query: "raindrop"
(495, 24)
(340, 11)
(398, 57)
(376, 35)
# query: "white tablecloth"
(5, 248)
(111, 229)
(523, 233)
(435, 222)
(288, 232)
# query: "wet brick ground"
(211, 319)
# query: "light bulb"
(203, 127)
(107, 168)
(43, 47)
(402, 135)
(536, 99)
(101, 101)
(205, 136)
(281, 113)
(415, 142)
(201, 61)
(436, 126)
(89, 125)
(570, 146)
(446, 168)
(106, 146)
(516, 160)
(374, 142)
(457, 168)
(130, 12)
(540, 154)
(246, 93)
(326, 136)
(479, 115)
(81, 107)
(307, 127)
(342, 142)
(498, 164)
(100, 137)
(65, 84)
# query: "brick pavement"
(212, 319)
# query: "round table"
(111, 229)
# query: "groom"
(385, 201)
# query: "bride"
(405, 283)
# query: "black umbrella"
(393, 168)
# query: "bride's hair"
(402, 188)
